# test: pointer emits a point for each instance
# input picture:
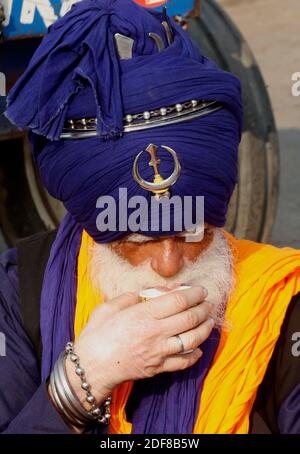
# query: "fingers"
(186, 320)
(181, 362)
(123, 301)
(176, 302)
(190, 339)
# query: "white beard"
(114, 275)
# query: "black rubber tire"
(253, 205)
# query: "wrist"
(69, 404)
(100, 392)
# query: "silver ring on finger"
(178, 337)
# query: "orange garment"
(266, 280)
(87, 297)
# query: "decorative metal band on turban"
(87, 127)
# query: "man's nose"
(166, 258)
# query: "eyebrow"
(139, 238)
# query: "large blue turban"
(76, 72)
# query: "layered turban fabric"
(76, 72)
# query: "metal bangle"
(60, 399)
(70, 395)
(59, 405)
(60, 381)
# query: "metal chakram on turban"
(109, 79)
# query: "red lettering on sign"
(150, 3)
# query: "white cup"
(150, 293)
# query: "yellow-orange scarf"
(266, 280)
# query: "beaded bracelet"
(102, 414)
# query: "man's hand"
(127, 340)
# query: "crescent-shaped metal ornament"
(159, 186)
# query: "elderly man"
(155, 329)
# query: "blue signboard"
(33, 17)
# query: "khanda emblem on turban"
(159, 186)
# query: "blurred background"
(258, 40)
(272, 30)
